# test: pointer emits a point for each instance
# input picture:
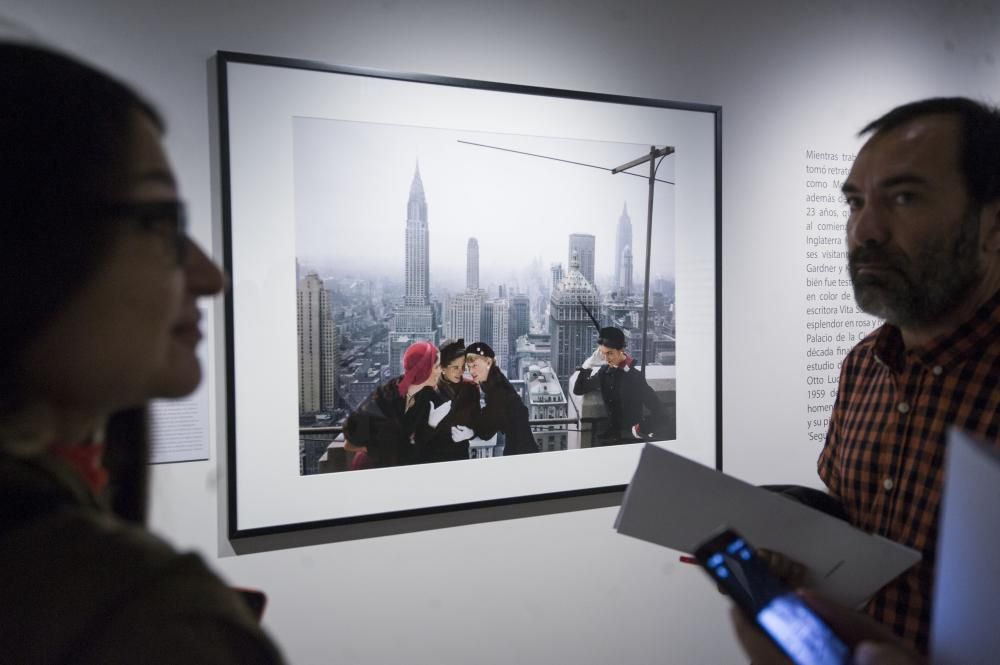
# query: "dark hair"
(65, 128)
(979, 143)
(452, 350)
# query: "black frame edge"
(223, 59)
(227, 262)
(718, 288)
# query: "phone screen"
(782, 615)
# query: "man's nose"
(867, 226)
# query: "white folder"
(675, 502)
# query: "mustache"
(874, 255)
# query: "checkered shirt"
(885, 446)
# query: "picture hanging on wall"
(420, 267)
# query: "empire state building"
(414, 319)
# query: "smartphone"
(798, 631)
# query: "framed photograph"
(368, 212)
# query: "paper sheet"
(678, 503)
(966, 585)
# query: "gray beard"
(920, 291)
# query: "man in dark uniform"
(624, 390)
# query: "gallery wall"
(792, 77)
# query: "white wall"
(560, 587)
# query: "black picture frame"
(258, 96)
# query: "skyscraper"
(465, 314)
(465, 310)
(317, 347)
(497, 330)
(417, 247)
(520, 319)
(623, 240)
(486, 325)
(583, 245)
(472, 265)
(625, 286)
(414, 320)
(557, 274)
(573, 334)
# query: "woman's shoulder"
(377, 406)
(502, 392)
(498, 382)
(389, 388)
(388, 395)
(86, 539)
(97, 568)
(426, 394)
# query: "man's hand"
(872, 643)
(756, 645)
(461, 433)
(880, 653)
(437, 414)
(596, 359)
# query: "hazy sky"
(352, 183)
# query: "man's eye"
(903, 198)
(853, 202)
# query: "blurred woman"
(381, 430)
(99, 290)
(455, 404)
(504, 411)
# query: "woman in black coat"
(456, 403)
(382, 430)
(504, 410)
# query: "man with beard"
(924, 254)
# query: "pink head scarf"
(418, 361)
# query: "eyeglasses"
(166, 218)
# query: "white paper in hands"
(437, 414)
(675, 502)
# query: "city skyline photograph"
(428, 235)
(521, 207)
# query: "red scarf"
(87, 460)
(625, 364)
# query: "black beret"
(611, 337)
(481, 349)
